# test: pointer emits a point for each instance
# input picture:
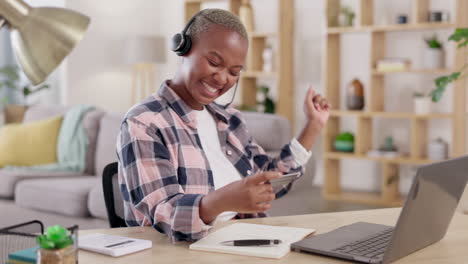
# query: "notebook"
(112, 245)
(288, 235)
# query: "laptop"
(424, 219)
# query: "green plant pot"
(343, 146)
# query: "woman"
(185, 161)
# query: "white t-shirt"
(223, 170)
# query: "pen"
(251, 242)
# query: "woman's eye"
(212, 63)
(234, 73)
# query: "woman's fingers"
(263, 177)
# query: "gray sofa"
(80, 195)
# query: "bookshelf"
(388, 194)
(284, 66)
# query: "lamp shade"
(42, 37)
(145, 49)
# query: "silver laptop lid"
(429, 207)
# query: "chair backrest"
(114, 203)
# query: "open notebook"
(288, 235)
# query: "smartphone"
(284, 180)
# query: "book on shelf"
(392, 65)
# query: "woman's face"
(213, 65)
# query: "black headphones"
(181, 42)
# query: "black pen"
(251, 242)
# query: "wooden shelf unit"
(284, 66)
(389, 194)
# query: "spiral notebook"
(288, 235)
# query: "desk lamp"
(41, 37)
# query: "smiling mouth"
(211, 89)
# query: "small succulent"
(345, 136)
(433, 42)
(56, 237)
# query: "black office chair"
(114, 203)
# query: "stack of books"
(393, 65)
(25, 256)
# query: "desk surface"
(451, 249)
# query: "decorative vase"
(355, 95)
(66, 255)
(422, 105)
(343, 146)
(433, 58)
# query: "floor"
(306, 199)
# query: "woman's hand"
(249, 195)
(316, 108)
(317, 111)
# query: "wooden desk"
(451, 249)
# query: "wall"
(98, 76)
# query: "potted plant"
(266, 103)
(422, 103)
(433, 56)
(344, 142)
(460, 36)
(10, 79)
(56, 246)
(346, 17)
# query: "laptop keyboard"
(371, 247)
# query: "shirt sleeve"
(150, 188)
(299, 153)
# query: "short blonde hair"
(214, 16)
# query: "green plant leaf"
(56, 233)
(459, 34)
(437, 93)
(454, 76)
(43, 242)
(441, 81)
(463, 44)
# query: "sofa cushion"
(96, 204)
(90, 124)
(277, 128)
(9, 179)
(106, 144)
(68, 196)
(34, 143)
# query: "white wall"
(98, 76)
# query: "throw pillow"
(29, 144)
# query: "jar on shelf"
(437, 149)
(267, 57)
(355, 95)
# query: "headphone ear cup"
(185, 47)
(177, 42)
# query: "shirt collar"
(185, 112)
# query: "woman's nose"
(221, 77)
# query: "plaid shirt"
(163, 171)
